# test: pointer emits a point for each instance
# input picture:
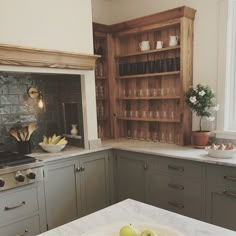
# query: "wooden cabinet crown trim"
(24, 56)
(159, 17)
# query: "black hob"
(8, 158)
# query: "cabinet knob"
(78, 169)
(82, 168)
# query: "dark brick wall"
(16, 108)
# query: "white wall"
(206, 40)
(50, 24)
(57, 25)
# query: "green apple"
(129, 230)
(148, 233)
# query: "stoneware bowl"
(220, 153)
(52, 147)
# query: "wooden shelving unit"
(102, 85)
(147, 87)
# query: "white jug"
(159, 45)
(144, 45)
(173, 41)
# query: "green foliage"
(200, 100)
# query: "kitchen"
(93, 171)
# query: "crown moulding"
(23, 56)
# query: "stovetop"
(10, 159)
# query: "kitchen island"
(136, 213)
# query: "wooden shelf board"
(149, 98)
(101, 99)
(100, 77)
(148, 119)
(148, 75)
(148, 52)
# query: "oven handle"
(14, 207)
(23, 234)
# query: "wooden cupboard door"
(221, 206)
(94, 183)
(60, 193)
(130, 177)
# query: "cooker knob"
(19, 177)
(30, 174)
(2, 183)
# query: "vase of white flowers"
(201, 101)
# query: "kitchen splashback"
(16, 107)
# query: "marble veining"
(155, 149)
(130, 211)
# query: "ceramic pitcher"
(173, 40)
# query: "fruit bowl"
(220, 153)
(52, 147)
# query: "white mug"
(173, 40)
(144, 45)
(159, 45)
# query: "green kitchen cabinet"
(93, 183)
(60, 193)
(131, 175)
(221, 196)
(76, 187)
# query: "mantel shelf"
(148, 119)
(148, 52)
(149, 98)
(149, 75)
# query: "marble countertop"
(154, 148)
(136, 213)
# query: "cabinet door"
(130, 176)
(60, 193)
(221, 206)
(94, 183)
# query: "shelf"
(148, 119)
(102, 118)
(149, 98)
(101, 99)
(148, 52)
(148, 75)
(100, 77)
(72, 136)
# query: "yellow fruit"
(129, 230)
(56, 140)
(45, 140)
(148, 233)
(62, 141)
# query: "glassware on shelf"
(136, 114)
(163, 115)
(154, 92)
(157, 114)
(154, 136)
(101, 91)
(144, 114)
(135, 134)
(150, 114)
(128, 133)
(146, 92)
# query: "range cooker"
(18, 170)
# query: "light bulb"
(40, 103)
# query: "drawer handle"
(23, 234)
(230, 178)
(177, 168)
(230, 194)
(176, 186)
(177, 205)
(14, 207)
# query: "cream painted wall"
(206, 41)
(58, 25)
(55, 24)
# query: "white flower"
(193, 99)
(202, 93)
(216, 107)
(210, 118)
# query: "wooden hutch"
(142, 92)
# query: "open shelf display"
(147, 86)
(101, 83)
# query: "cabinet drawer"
(28, 227)
(178, 194)
(221, 175)
(181, 167)
(18, 204)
